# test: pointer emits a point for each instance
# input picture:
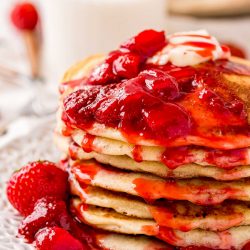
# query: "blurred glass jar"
(74, 29)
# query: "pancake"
(113, 241)
(109, 220)
(237, 85)
(149, 187)
(152, 167)
(198, 155)
(180, 215)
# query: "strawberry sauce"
(137, 153)
(227, 159)
(87, 142)
(202, 194)
(164, 104)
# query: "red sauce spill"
(227, 159)
(202, 194)
(137, 153)
(85, 171)
(87, 142)
(67, 128)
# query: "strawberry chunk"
(126, 62)
(126, 66)
(160, 84)
(47, 212)
(55, 238)
(34, 181)
(24, 16)
(146, 43)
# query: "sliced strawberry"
(34, 181)
(47, 212)
(55, 238)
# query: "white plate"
(38, 144)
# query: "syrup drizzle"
(137, 153)
(87, 143)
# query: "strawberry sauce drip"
(87, 142)
(85, 172)
(201, 194)
(137, 153)
(206, 48)
(227, 159)
(167, 105)
(73, 151)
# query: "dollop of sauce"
(190, 48)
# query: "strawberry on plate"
(34, 181)
(55, 238)
(47, 212)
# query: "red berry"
(34, 181)
(146, 43)
(47, 212)
(126, 65)
(24, 16)
(55, 238)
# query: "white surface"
(33, 145)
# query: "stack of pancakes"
(140, 203)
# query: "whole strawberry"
(34, 181)
(55, 238)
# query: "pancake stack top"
(156, 137)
